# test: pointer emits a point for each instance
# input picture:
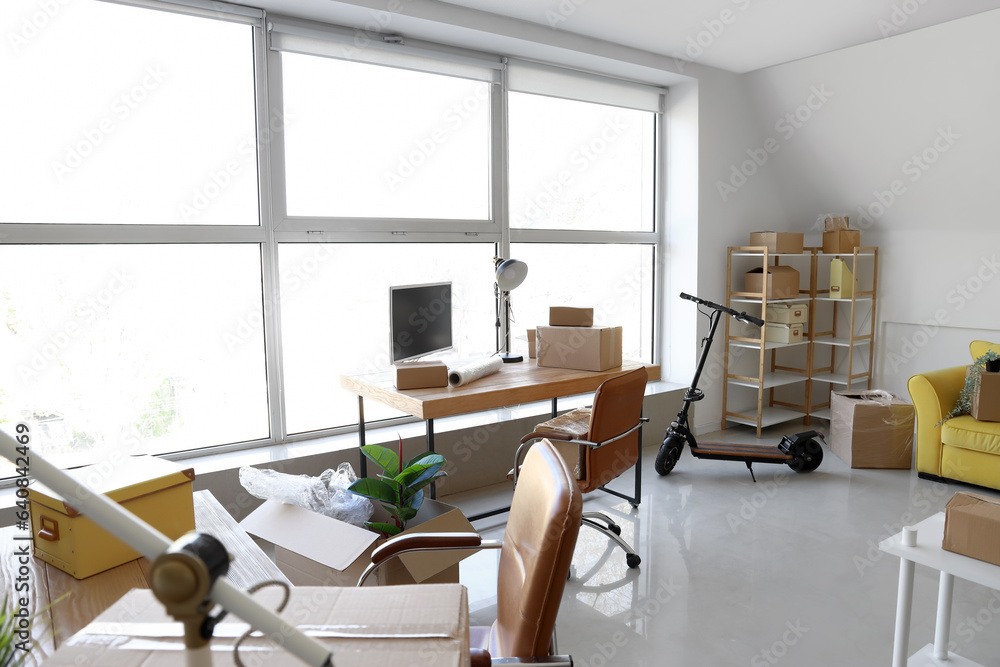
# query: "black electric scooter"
(801, 452)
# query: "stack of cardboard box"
(572, 341)
(785, 322)
(840, 239)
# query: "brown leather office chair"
(599, 444)
(535, 557)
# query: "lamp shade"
(510, 274)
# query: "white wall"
(917, 113)
(873, 107)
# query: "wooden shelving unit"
(837, 349)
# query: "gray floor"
(784, 571)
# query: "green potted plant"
(990, 363)
(400, 490)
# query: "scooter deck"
(728, 451)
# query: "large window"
(113, 117)
(368, 141)
(579, 165)
(202, 213)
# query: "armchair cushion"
(969, 433)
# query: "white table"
(921, 543)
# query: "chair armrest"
(550, 435)
(933, 394)
(425, 542)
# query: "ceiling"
(735, 35)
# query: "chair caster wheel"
(632, 560)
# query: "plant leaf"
(402, 514)
(386, 491)
(385, 528)
(428, 476)
(384, 458)
(411, 473)
(416, 501)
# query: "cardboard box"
(421, 374)
(787, 313)
(531, 343)
(156, 490)
(783, 242)
(972, 527)
(563, 316)
(425, 625)
(986, 401)
(317, 550)
(841, 242)
(871, 429)
(580, 348)
(782, 282)
(841, 280)
(782, 333)
(836, 223)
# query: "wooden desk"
(513, 384)
(91, 596)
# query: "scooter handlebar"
(740, 315)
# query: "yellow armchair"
(963, 448)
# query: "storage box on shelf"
(773, 385)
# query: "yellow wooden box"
(159, 492)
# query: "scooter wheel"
(632, 560)
(669, 452)
(806, 456)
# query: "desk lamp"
(187, 575)
(509, 274)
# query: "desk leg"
(430, 447)
(361, 437)
(943, 627)
(904, 603)
(638, 472)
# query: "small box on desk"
(421, 374)
(564, 316)
(972, 527)
(871, 429)
(316, 550)
(158, 491)
(579, 348)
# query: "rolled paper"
(473, 371)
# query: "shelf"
(769, 416)
(842, 342)
(773, 379)
(840, 378)
(747, 253)
(925, 658)
(769, 345)
(839, 299)
(757, 300)
(822, 413)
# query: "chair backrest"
(537, 551)
(617, 408)
(980, 347)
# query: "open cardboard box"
(425, 625)
(317, 550)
